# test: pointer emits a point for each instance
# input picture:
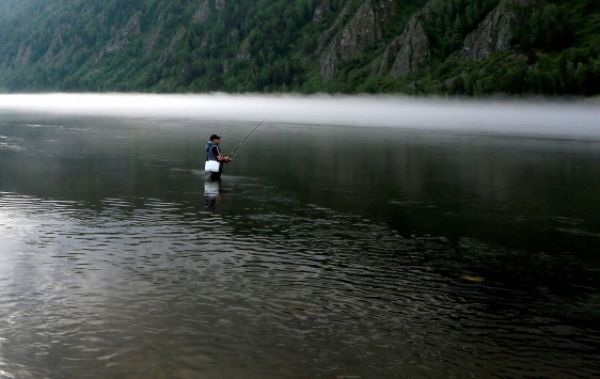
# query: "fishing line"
(235, 151)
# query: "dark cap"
(214, 137)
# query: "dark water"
(325, 252)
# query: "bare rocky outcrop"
(175, 40)
(363, 30)
(204, 11)
(202, 14)
(153, 38)
(205, 41)
(24, 55)
(322, 11)
(407, 52)
(243, 52)
(55, 47)
(495, 32)
(122, 37)
(220, 4)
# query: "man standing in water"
(213, 153)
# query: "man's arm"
(221, 158)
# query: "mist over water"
(445, 238)
(578, 119)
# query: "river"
(326, 251)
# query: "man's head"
(215, 138)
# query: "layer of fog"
(554, 118)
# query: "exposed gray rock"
(177, 38)
(24, 55)
(322, 11)
(327, 36)
(220, 4)
(55, 47)
(328, 64)
(407, 52)
(495, 32)
(122, 37)
(133, 26)
(202, 14)
(205, 41)
(153, 38)
(455, 81)
(243, 52)
(363, 30)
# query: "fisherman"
(213, 153)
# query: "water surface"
(325, 251)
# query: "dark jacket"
(212, 151)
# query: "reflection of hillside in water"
(506, 190)
(329, 243)
(525, 193)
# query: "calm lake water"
(324, 252)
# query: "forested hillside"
(462, 47)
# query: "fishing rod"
(234, 152)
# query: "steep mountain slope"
(468, 47)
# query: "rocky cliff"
(414, 46)
(363, 30)
(407, 52)
(495, 33)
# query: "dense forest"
(456, 47)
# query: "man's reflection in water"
(213, 193)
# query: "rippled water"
(325, 252)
